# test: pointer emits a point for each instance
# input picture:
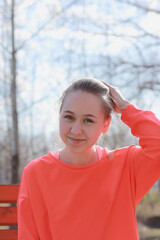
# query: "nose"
(76, 128)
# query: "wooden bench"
(8, 212)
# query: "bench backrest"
(8, 212)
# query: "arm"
(26, 223)
(144, 160)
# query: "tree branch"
(45, 24)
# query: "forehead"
(83, 102)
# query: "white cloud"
(31, 15)
(151, 23)
(91, 12)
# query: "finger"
(112, 88)
(108, 85)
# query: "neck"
(79, 159)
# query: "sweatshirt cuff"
(125, 116)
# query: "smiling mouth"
(75, 140)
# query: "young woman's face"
(81, 121)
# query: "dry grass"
(149, 207)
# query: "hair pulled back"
(94, 86)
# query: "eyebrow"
(86, 115)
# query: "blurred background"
(46, 44)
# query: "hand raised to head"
(120, 103)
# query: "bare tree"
(15, 132)
(12, 50)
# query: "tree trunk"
(15, 134)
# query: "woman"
(84, 191)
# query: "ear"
(106, 125)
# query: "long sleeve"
(144, 160)
(26, 224)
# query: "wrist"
(124, 105)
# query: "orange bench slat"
(8, 216)
(9, 193)
(8, 234)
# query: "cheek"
(95, 133)
(63, 127)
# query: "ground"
(148, 216)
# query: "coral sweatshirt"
(59, 201)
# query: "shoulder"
(122, 153)
(116, 153)
(39, 163)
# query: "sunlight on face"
(81, 120)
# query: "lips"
(75, 140)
